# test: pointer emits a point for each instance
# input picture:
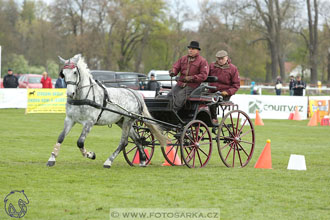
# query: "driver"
(193, 70)
(228, 79)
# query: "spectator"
(291, 84)
(228, 79)
(46, 81)
(60, 83)
(299, 86)
(278, 85)
(10, 81)
(153, 84)
(193, 70)
(252, 87)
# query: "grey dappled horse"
(82, 93)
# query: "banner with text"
(321, 103)
(46, 101)
(271, 107)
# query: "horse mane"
(82, 65)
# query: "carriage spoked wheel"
(196, 144)
(235, 139)
(172, 152)
(131, 152)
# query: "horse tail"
(154, 128)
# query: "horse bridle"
(71, 65)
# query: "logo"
(15, 204)
(255, 105)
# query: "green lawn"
(79, 188)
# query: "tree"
(313, 38)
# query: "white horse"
(86, 100)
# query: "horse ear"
(76, 58)
(62, 60)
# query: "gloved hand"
(224, 93)
(188, 78)
(171, 73)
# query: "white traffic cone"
(297, 162)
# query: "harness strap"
(105, 98)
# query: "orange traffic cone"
(291, 116)
(313, 121)
(265, 159)
(296, 115)
(258, 120)
(318, 116)
(171, 153)
(136, 159)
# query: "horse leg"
(68, 124)
(137, 140)
(80, 143)
(125, 126)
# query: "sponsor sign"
(46, 101)
(321, 103)
(271, 107)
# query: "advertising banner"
(321, 103)
(46, 101)
(271, 107)
(13, 98)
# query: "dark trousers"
(180, 95)
(278, 91)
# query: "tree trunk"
(274, 60)
(329, 65)
(268, 72)
(313, 40)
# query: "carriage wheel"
(172, 153)
(196, 144)
(235, 139)
(131, 152)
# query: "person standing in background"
(46, 81)
(60, 83)
(291, 84)
(10, 81)
(278, 85)
(299, 86)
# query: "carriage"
(189, 135)
(192, 133)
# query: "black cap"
(194, 45)
(9, 69)
(152, 74)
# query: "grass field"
(78, 188)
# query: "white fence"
(269, 106)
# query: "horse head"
(72, 75)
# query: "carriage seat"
(202, 94)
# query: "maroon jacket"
(199, 68)
(228, 78)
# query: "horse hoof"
(106, 166)
(50, 163)
(93, 156)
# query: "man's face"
(222, 60)
(192, 52)
(10, 72)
